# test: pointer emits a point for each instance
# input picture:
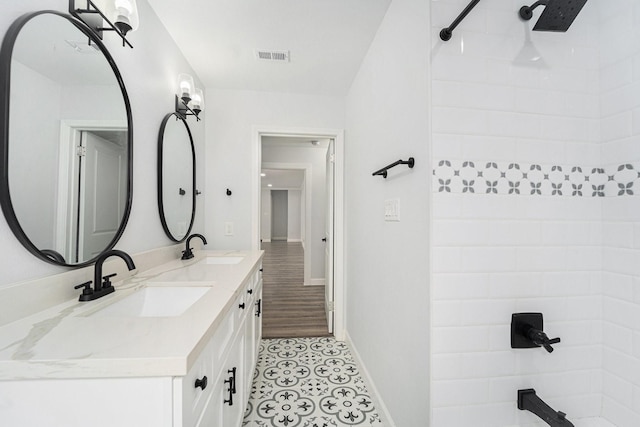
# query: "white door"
(328, 235)
(103, 190)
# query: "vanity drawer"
(240, 306)
(251, 287)
(222, 338)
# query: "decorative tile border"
(456, 176)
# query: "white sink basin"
(155, 301)
(222, 260)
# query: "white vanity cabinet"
(213, 393)
(253, 331)
(229, 358)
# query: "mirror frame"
(163, 219)
(6, 52)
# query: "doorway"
(91, 189)
(333, 308)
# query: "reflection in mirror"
(176, 177)
(67, 140)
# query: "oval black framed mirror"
(176, 177)
(67, 140)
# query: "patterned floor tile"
(308, 382)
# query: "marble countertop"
(66, 341)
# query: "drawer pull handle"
(232, 386)
(233, 380)
(259, 308)
(230, 390)
(241, 306)
(202, 383)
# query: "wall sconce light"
(189, 99)
(120, 16)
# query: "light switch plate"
(392, 210)
(228, 229)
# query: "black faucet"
(528, 400)
(527, 332)
(187, 253)
(102, 284)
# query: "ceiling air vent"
(83, 46)
(273, 55)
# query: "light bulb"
(197, 101)
(185, 87)
(124, 6)
(124, 14)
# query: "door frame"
(257, 132)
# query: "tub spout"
(528, 400)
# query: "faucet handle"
(106, 280)
(187, 254)
(547, 344)
(86, 291)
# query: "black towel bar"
(411, 162)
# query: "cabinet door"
(249, 354)
(234, 402)
(192, 391)
(212, 414)
(258, 316)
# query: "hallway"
(290, 309)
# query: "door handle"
(324, 239)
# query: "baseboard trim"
(266, 240)
(315, 282)
(385, 417)
(294, 241)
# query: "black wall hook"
(229, 192)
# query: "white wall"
(294, 224)
(265, 217)
(388, 262)
(620, 109)
(149, 74)
(231, 115)
(34, 194)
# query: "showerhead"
(558, 15)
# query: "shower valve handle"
(547, 344)
(539, 338)
(527, 331)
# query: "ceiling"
(289, 178)
(281, 179)
(327, 40)
(64, 55)
(295, 142)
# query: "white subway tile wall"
(551, 221)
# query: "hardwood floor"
(289, 308)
